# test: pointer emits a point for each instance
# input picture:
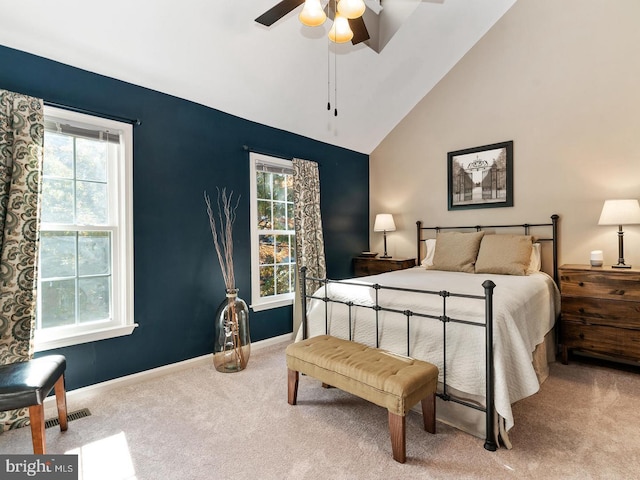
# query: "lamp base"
(385, 256)
(621, 265)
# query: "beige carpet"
(201, 424)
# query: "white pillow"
(535, 264)
(430, 248)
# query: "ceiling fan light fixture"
(351, 8)
(340, 30)
(312, 14)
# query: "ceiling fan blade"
(359, 29)
(278, 11)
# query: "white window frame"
(259, 303)
(120, 178)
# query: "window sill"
(84, 337)
(269, 305)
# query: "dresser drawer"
(609, 284)
(598, 311)
(601, 339)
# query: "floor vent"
(52, 422)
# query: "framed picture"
(481, 177)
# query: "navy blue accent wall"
(180, 150)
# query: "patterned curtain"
(21, 150)
(308, 227)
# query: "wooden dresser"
(363, 266)
(600, 311)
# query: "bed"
(445, 313)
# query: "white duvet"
(525, 309)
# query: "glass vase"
(232, 345)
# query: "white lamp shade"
(384, 223)
(340, 30)
(620, 212)
(312, 14)
(351, 8)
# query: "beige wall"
(562, 80)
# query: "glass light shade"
(340, 30)
(351, 8)
(620, 212)
(312, 14)
(384, 223)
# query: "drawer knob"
(581, 336)
(581, 284)
(581, 310)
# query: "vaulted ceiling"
(213, 52)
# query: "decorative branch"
(222, 232)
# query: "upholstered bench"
(391, 381)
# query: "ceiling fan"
(275, 13)
(374, 27)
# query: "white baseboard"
(76, 398)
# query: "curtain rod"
(135, 122)
(246, 148)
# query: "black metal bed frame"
(488, 285)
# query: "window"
(273, 262)
(85, 269)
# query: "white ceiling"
(213, 53)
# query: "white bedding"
(525, 309)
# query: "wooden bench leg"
(36, 418)
(398, 438)
(429, 413)
(61, 401)
(292, 386)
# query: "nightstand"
(600, 311)
(363, 266)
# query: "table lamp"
(384, 223)
(620, 212)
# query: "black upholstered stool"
(27, 384)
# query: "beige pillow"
(456, 251)
(504, 254)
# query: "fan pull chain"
(335, 74)
(335, 67)
(335, 84)
(328, 75)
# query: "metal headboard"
(525, 226)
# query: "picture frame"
(480, 177)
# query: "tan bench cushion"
(391, 381)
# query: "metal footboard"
(487, 298)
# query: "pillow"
(456, 251)
(430, 248)
(535, 263)
(504, 254)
